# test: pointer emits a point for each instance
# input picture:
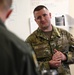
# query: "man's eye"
(44, 14)
(38, 17)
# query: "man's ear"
(50, 15)
(8, 13)
(35, 20)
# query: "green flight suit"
(16, 57)
(43, 47)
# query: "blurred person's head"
(5, 10)
(43, 18)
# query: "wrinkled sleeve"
(70, 54)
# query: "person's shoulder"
(62, 30)
(32, 35)
(28, 46)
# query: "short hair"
(39, 8)
(5, 4)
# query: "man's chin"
(44, 28)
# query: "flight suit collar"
(2, 24)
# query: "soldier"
(54, 47)
(16, 57)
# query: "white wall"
(71, 12)
(18, 22)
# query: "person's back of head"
(5, 9)
(5, 4)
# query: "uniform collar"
(55, 33)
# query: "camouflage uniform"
(43, 47)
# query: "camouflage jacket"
(43, 47)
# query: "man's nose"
(42, 18)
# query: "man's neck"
(48, 29)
